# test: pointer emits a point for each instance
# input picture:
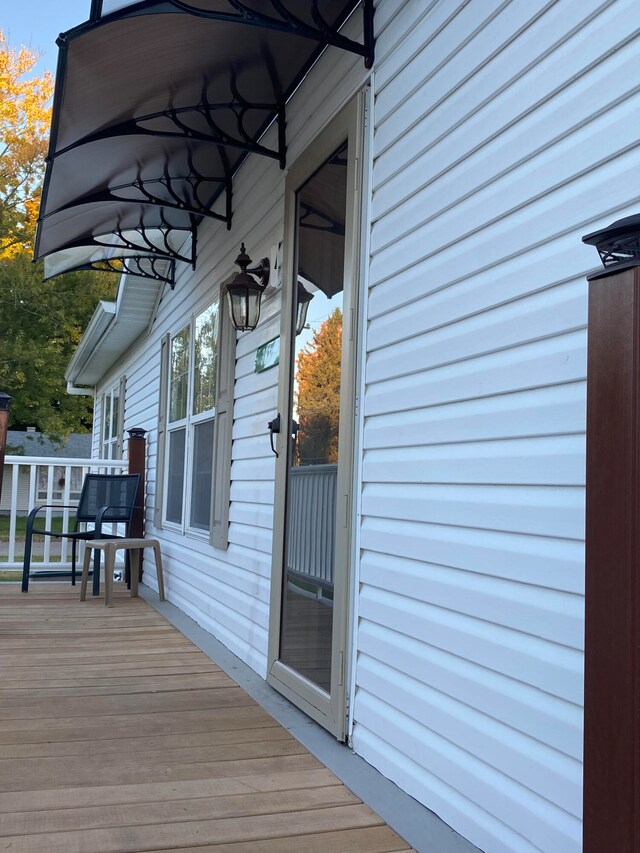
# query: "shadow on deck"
(119, 735)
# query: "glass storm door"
(314, 466)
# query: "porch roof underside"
(156, 106)
(114, 327)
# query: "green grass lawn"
(21, 525)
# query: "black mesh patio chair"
(105, 499)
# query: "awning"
(157, 103)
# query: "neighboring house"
(409, 567)
(33, 444)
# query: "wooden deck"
(117, 734)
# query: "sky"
(37, 24)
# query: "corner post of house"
(137, 456)
(612, 607)
(5, 402)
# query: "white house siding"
(503, 131)
(23, 491)
(227, 592)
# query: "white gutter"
(73, 391)
(113, 329)
(98, 325)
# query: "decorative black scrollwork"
(136, 241)
(316, 220)
(158, 269)
(185, 193)
(285, 20)
(186, 124)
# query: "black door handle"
(274, 427)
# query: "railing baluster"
(13, 512)
(24, 484)
(46, 557)
(66, 500)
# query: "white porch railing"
(30, 481)
(311, 524)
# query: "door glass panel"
(313, 448)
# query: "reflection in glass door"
(314, 438)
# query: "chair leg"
(74, 543)
(134, 569)
(109, 562)
(159, 575)
(96, 571)
(85, 573)
(26, 564)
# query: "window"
(76, 476)
(112, 422)
(190, 422)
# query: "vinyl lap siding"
(503, 131)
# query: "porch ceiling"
(156, 106)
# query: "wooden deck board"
(118, 735)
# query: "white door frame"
(327, 709)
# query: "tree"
(318, 394)
(25, 114)
(42, 323)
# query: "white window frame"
(111, 445)
(59, 472)
(189, 424)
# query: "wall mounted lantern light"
(244, 291)
(304, 298)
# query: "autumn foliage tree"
(318, 394)
(25, 113)
(41, 322)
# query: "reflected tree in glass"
(178, 393)
(318, 394)
(205, 360)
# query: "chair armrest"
(101, 513)
(37, 509)
(32, 515)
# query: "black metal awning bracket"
(167, 182)
(287, 22)
(138, 126)
(323, 221)
(131, 265)
(105, 241)
(229, 201)
(146, 245)
(228, 186)
(194, 241)
(136, 265)
(145, 189)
